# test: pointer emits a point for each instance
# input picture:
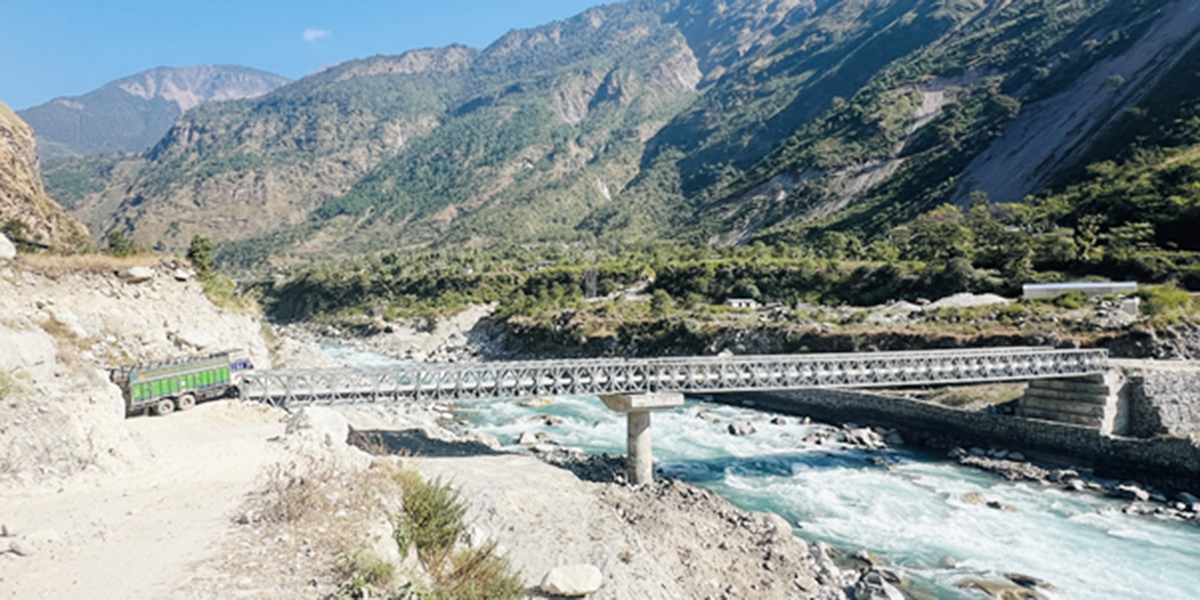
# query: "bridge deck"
(440, 381)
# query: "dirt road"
(135, 535)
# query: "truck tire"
(164, 407)
(185, 402)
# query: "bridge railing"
(441, 381)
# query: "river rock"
(873, 586)
(865, 438)
(1131, 492)
(539, 402)
(573, 581)
(1062, 475)
(1029, 582)
(974, 498)
(325, 423)
(8, 251)
(741, 428)
(136, 274)
(1001, 590)
(869, 558)
(527, 438)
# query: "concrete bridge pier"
(637, 408)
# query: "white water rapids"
(911, 513)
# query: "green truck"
(165, 387)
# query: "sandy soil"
(135, 535)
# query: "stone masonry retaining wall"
(1164, 399)
(1170, 463)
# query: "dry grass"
(89, 263)
(972, 397)
(307, 533)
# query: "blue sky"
(51, 48)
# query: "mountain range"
(132, 113)
(719, 121)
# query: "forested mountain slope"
(706, 121)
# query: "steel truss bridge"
(692, 375)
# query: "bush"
(119, 246)
(1166, 301)
(1070, 300)
(432, 521)
(202, 253)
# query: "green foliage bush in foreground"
(432, 522)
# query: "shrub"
(363, 574)
(119, 246)
(1166, 300)
(1070, 300)
(201, 253)
(432, 521)
(481, 574)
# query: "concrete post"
(637, 409)
(640, 459)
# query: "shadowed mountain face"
(133, 113)
(722, 121)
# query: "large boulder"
(573, 581)
(325, 423)
(136, 274)
(874, 586)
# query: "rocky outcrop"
(451, 59)
(26, 212)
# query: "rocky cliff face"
(26, 212)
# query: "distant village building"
(742, 303)
(1091, 289)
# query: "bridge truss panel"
(696, 375)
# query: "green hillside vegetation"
(703, 124)
(986, 249)
(1040, 47)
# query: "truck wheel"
(164, 407)
(185, 402)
